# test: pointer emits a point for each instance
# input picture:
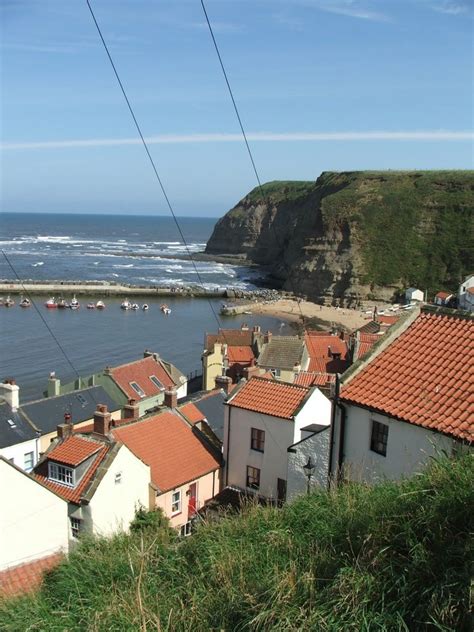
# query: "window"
(61, 474)
(257, 440)
(29, 461)
(176, 503)
(186, 529)
(378, 440)
(118, 478)
(157, 382)
(138, 390)
(75, 527)
(253, 477)
(275, 372)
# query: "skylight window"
(11, 423)
(138, 389)
(157, 382)
(82, 399)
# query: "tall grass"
(392, 557)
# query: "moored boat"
(61, 303)
(74, 304)
(135, 306)
(100, 305)
(125, 304)
(51, 303)
(9, 302)
(90, 306)
(165, 309)
(25, 302)
(145, 307)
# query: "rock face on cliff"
(356, 235)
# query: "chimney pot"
(224, 382)
(67, 417)
(268, 336)
(64, 430)
(131, 410)
(102, 420)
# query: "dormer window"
(61, 474)
(138, 389)
(157, 382)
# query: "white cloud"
(452, 7)
(286, 137)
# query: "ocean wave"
(123, 265)
(38, 263)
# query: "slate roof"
(140, 372)
(424, 377)
(18, 431)
(27, 577)
(73, 449)
(170, 447)
(321, 347)
(211, 405)
(45, 414)
(282, 352)
(278, 399)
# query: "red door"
(192, 500)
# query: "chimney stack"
(171, 398)
(268, 336)
(102, 420)
(11, 393)
(251, 371)
(54, 385)
(131, 410)
(64, 430)
(147, 354)
(224, 382)
(244, 327)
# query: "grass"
(392, 557)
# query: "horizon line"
(381, 135)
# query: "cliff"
(360, 235)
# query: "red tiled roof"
(73, 451)
(140, 372)
(278, 399)
(387, 320)
(424, 377)
(320, 360)
(240, 354)
(71, 494)
(443, 295)
(192, 413)
(470, 290)
(307, 378)
(366, 342)
(230, 337)
(26, 577)
(168, 445)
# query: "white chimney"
(10, 393)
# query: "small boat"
(125, 304)
(90, 305)
(135, 306)
(51, 303)
(100, 305)
(25, 302)
(8, 302)
(165, 309)
(145, 307)
(61, 304)
(74, 304)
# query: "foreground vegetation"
(395, 557)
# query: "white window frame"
(76, 526)
(138, 389)
(118, 478)
(176, 503)
(31, 460)
(275, 372)
(61, 474)
(186, 529)
(159, 384)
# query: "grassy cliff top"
(392, 557)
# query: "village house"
(103, 482)
(442, 298)
(328, 354)
(144, 380)
(414, 294)
(409, 401)
(184, 464)
(33, 529)
(271, 429)
(19, 442)
(466, 294)
(283, 356)
(206, 412)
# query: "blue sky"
(321, 85)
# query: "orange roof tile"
(320, 347)
(140, 372)
(192, 413)
(27, 577)
(278, 399)
(307, 378)
(171, 449)
(366, 342)
(443, 295)
(73, 451)
(425, 377)
(71, 494)
(387, 319)
(240, 354)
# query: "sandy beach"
(292, 311)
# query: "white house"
(19, 441)
(103, 482)
(466, 294)
(413, 294)
(409, 402)
(270, 427)
(442, 298)
(33, 519)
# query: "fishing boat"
(125, 304)
(165, 309)
(135, 306)
(145, 307)
(8, 302)
(51, 303)
(100, 305)
(90, 305)
(61, 304)
(74, 304)
(25, 302)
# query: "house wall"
(409, 447)
(317, 410)
(113, 506)
(315, 446)
(416, 295)
(33, 520)
(212, 365)
(17, 452)
(273, 462)
(207, 487)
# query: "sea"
(126, 249)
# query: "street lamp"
(308, 469)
